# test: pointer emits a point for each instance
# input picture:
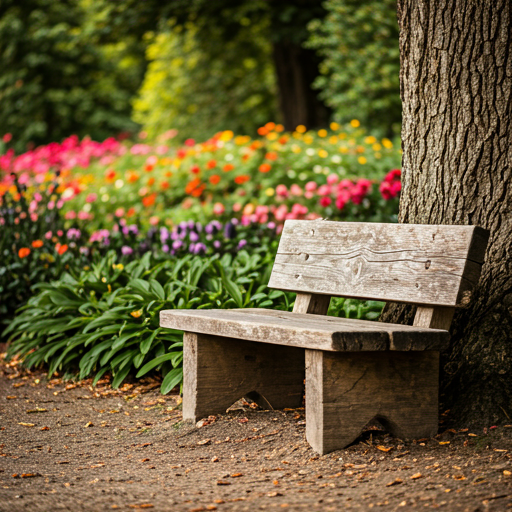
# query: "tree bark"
(296, 69)
(456, 88)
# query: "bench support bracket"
(344, 391)
(218, 371)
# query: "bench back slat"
(420, 264)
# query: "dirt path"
(81, 449)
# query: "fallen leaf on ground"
(26, 424)
(416, 476)
(442, 443)
(236, 475)
(142, 505)
(214, 459)
(507, 473)
(273, 494)
(204, 442)
(63, 462)
(223, 482)
(44, 428)
(384, 448)
(472, 435)
(97, 465)
(89, 424)
(396, 481)
(37, 409)
(243, 420)
(459, 477)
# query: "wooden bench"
(355, 370)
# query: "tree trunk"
(456, 87)
(296, 69)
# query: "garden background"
(151, 153)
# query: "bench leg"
(344, 391)
(219, 371)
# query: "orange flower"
(23, 252)
(149, 200)
(211, 164)
(132, 176)
(283, 139)
(149, 167)
(270, 126)
(265, 167)
(110, 175)
(271, 155)
(245, 157)
(228, 167)
(214, 179)
(130, 212)
(191, 185)
(198, 191)
(151, 182)
(279, 128)
(239, 180)
(37, 243)
(61, 249)
(165, 185)
(263, 131)
(168, 174)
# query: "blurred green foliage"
(358, 40)
(201, 88)
(57, 79)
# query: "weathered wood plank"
(421, 264)
(305, 330)
(345, 391)
(434, 318)
(311, 303)
(219, 371)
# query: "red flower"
(61, 249)
(325, 201)
(149, 200)
(265, 167)
(36, 244)
(239, 180)
(211, 164)
(214, 179)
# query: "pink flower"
(38, 197)
(48, 235)
(394, 174)
(325, 201)
(345, 184)
(70, 215)
(261, 210)
(152, 160)
(154, 220)
(310, 186)
(280, 213)
(60, 204)
(396, 187)
(119, 212)
(51, 205)
(282, 191)
(219, 209)
(237, 207)
(190, 142)
(324, 190)
(7, 137)
(308, 195)
(91, 198)
(295, 190)
(33, 217)
(332, 179)
(299, 209)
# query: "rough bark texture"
(456, 76)
(296, 69)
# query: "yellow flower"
(334, 126)
(362, 160)
(342, 136)
(322, 153)
(272, 136)
(376, 147)
(378, 155)
(360, 149)
(333, 139)
(308, 139)
(370, 139)
(387, 143)
(119, 266)
(103, 279)
(344, 150)
(355, 123)
(270, 192)
(296, 148)
(136, 314)
(297, 135)
(322, 133)
(226, 135)
(300, 129)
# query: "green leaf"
(233, 291)
(154, 363)
(171, 380)
(145, 345)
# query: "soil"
(69, 446)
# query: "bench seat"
(315, 332)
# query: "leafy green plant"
(107, 318)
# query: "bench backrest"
(433, 265)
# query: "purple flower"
(213, 227)
(191, 224)
(199, 248)
(199, 227)
(242, 243)
(126, 251)
(217, 244)
(271, 225)
(84, 250)
(164, 235)
(73, 234)
(229, 230)
(194, 237)
(191, 248)
(174, 235)
(165, 248)
(177, 244)
(234, 221)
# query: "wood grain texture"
(434, 318)
(305, 330)
(345, 391)
(420, 264)
(311, 303)
(219, 371)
